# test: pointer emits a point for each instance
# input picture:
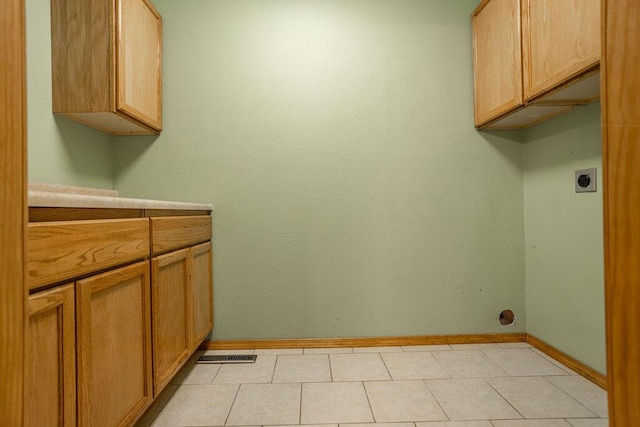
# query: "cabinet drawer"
(170, 233)
(64, 250)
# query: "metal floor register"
(227, 358)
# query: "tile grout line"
(300, 409)
(235, 397)
(273, 373)
(386, 367)
(368, 402)
(330, 368)
(571, 397)
(503, 397)
(444, 411)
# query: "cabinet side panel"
(13, 205)
(563, 39)
(81, 46)
(497, 59)
(621, 156)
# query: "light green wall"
(353, 197)
(563, 234)
(60, 151)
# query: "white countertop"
(65, 196)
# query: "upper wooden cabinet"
(497, 58)
(107, 64)
(561, 39)
(534, 60)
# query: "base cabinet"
(51, 359)
(114, 346)
(118, 319)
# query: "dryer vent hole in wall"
(507, 318)
(228, 358)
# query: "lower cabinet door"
(201, 293)
(51, 359)
(114, 346)
(170, 315)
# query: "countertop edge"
(67, 200)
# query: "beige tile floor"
(474, 385)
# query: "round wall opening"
(507, 318)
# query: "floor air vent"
(227, 358)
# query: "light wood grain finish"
(60, 251)
(170, 315)
(114, 346)
(80, 214)
(13, 202)
(496, 59)
(560, 40)
(87, 67)
(171, 233)
(362, 342)
(525, 117)
(621, 157)
(175, 212)
(51, 358)
(139, 61)
(542, 52)
(568, 361)
(201, 293)
(47, 214)
(82, 55)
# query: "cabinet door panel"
(561, 40)
(497, 59)
(139, 61)
(114, 346)
(51, 359)
(170, 315)
(202, 293)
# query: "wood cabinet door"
(139, 61)
(201, 293)
(51, 359)
(561, 39)
(170, 315)
(496, 58)
(114, 346)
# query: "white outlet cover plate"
(591, 187)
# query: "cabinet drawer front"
(170, 233)
(64, 250)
